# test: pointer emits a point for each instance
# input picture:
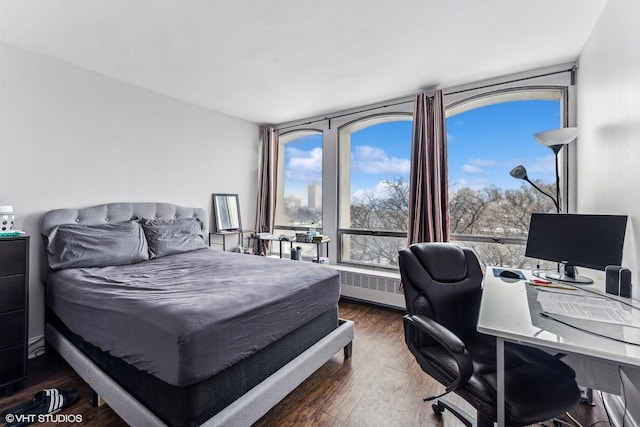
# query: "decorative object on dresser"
(14, 300)
(7, 217)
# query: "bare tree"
(506, 213)
(490, 211)
(386, 211)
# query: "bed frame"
(247, 409)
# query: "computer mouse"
(508, 274)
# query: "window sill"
(368, 271)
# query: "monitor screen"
(591, 241)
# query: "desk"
(508, 311)
(224, 234)
(318, 244)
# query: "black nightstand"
(14, 310)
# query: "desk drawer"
(12, 328)
(13, 258)
(12, 293)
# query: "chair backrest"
(443, 281)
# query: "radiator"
(376, 287)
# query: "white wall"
(73, 138)
(608, 149)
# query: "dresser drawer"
(13, 258)
(13, 364)
(12, 328)
(12, 293)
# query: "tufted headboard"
(113, 213)
(120, 212)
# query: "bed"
(169, 332)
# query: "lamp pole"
(519, 172)
(556, 139)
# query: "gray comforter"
(185, 317)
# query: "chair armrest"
(439, 333)
(449, 341)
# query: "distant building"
(314, 194)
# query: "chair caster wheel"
(438, 409)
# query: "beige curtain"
(267, 190)
(428, 193)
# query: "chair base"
(441, 405)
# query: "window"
(299, 200)
(375, 157)
(348, 174)
(486, 138)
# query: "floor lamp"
(519, 172)
(556, 139)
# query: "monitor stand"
(569, 276)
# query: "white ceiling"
(273, 61)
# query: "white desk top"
(510, 310)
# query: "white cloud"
(304, 165)
(373, 160)
(472, 169)
(476, 166)
(483, 162)
(546, 164)
(380, 190)
(475, 184)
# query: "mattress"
(184, 318)
(192, 405)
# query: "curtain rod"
(344, 115)
(571, 70)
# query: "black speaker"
(618, 280)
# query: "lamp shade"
(519, 172)
(556, 138)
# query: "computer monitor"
(591, 241)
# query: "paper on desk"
(587, 308)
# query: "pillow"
(173, 236)
(78, 245)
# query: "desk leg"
(500, 372)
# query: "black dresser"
(14, 311)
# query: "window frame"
(344, 132)
(557, 76)
(532, 92)
(283, 139)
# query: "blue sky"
(484, 144)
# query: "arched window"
(487, 136)
(299, 200)
(373, 189)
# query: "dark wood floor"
(381, 385)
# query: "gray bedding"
(185, 317)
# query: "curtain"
(267, 190)
(428, 192)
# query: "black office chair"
(442, 288)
